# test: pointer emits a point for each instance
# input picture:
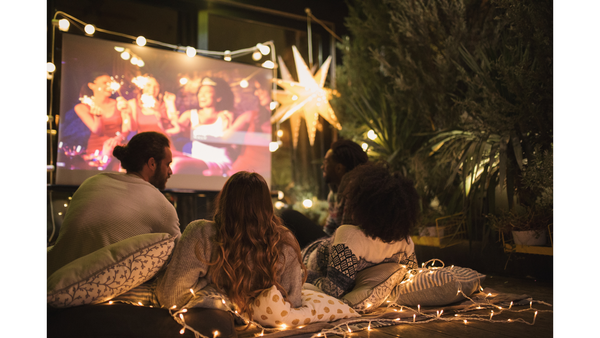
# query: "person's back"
(110, 207)
(106, 209)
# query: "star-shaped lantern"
(306, 98)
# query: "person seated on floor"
(343, 156)
(385, 207)
(110, 207)
(243, 251)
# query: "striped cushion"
(437, 287)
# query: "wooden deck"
(543, 327)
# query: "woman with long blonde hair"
(243, 251)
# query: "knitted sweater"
(108, 208)
(333, 262)
(188, 268)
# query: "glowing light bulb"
(365, 147)
(63, 25)
(215, 334)
(273, 146)
(273, 105)
(264, 49)
(268, 64)
(283, 326)
(279, 205)
(50, 67)
(141, 41)
(125, 55)
(190, 51)
(141, 63)
(295, 97)
(182, 331)
(192, 291)
(227, 56)
(307, 204)
(174, 307)
(244, 83)
(256, 55)
(279, 133)
(183, 81)
(89, 29)
(280, 195)
(134, 60)
(119, 49)
(371, 135)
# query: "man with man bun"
(110, 207)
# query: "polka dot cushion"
(271, 310)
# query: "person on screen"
(110, 207)
(385, 207)
(244, 250)
(153, 109)
(107, 119)
(210, 127)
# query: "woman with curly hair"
(385, 208)
(243, 251)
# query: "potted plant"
(527, 227)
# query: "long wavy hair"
(250, 240)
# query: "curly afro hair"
(385, 205)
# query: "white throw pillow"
(271, 310)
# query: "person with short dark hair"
(385, 207)
(110, 207)
(244, 250)
(343, 156)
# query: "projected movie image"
(215, 113)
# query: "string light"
(244, 83)
(257, 55)
(141, 41)
(227, 56)
(191, 52)
(63, 25)
(273, 146)
(268, 64)
(50, 67)
(89, 29)
(371, 135)
(125, 55)
(264, 49)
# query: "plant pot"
(432, 231)
(530, 237)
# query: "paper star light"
(306, 98)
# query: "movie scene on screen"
(215, 113)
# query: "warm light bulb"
(244, 83)
(50, 67)
(365, 147)
(227, 56)
(280, 195)
(273, 146)
(183, 81)
(295, 97)
(273, 105)
(119, 49)
(371, 135)
(307, 204)
(89, 29)
(279, 205)
(182, 331)
(134, 60)
(190, 51)
(63, 25)
(256, 55)
(264, 49)
(279, 133)
(125, 55)
(141, 41)
(141, 63)
(268, 64)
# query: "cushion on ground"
(110, 271)
(374, 285)
(270, 309)
(437, 286)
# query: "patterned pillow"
(437, 287)
(271, 310)
(374, 285)
(110, 271)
